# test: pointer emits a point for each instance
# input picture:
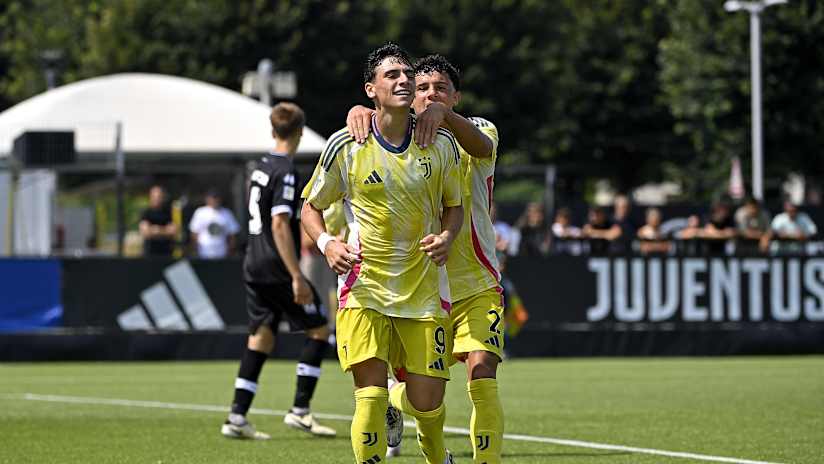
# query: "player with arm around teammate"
(474, 278)
(275, 286)
(393, 292)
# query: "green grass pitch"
(758, 409)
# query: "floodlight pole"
(120, 174)
(755, 9)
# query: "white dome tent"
(170, 126)
(161, 115)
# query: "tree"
(706, 84)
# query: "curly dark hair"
(376, 57)
(437, 63)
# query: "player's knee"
(262, 341)
(482, 365)
(425, 393)
(370, 373)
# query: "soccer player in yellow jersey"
(474, 278)
(403, 205)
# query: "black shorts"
(267, 303)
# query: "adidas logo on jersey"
(373, 178)
(437, 365)
(494, 341)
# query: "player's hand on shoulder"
(436, 246)
(428, 122)
(359, 122)
(301, 290)
(341, 257)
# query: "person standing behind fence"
(156, 225)
(535, 237)
(652, 240)
(624, 228)
(213, 228)
(792, 228)
(753, 224)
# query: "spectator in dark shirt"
(625, 227)
(600, 231)
(535, 238)
(719, 228)
(156, 226)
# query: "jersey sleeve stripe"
(335, 147)
(451, 139)
(330, 144)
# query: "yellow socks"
(430, 424)
(369, 424)
(487, 423)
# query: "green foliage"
(629, 90)
(705, 76)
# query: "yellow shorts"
(421, 346)
(478, 324)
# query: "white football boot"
(308, 424)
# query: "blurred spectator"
(791, 228)
(213, 228)
(753, 224)
(156, 225)
(719, 228)
(691, 230)
(600, 231)
(624, 228)
(652, 240)
(535, 238)
(507, 238)
(566, 237)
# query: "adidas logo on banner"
(373, 178)
(437, 365)
(198, 312)
(494, 341)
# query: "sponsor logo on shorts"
(494, 341)
(437, 365)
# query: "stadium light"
(755, 9)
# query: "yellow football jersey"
(472, 264)
(392, 198)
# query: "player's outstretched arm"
(437, 246)
(359, 122)
(475, 142)
(339, 256)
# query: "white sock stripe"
(307, 370)
(247, 385)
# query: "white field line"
(408, 424)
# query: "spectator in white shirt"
(213, 228)
(791, 228)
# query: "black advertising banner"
(573, 290)
(578, 306)
(147, 294)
